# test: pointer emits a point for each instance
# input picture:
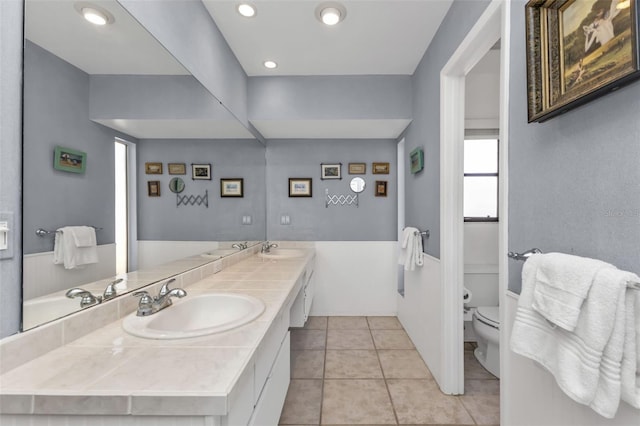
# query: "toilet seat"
(489, 315)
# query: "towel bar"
(41, 232)
(525, 255)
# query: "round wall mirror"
(176, 185)
(357, 184)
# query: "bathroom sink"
(195, 316)
(283, 253)
(217, 253)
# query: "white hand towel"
(631, 355)
(83, 236)
(577, 359)
(563, 282)
(66, 251)
(407, 256)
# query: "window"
(480, 179)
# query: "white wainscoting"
(420, 312)
(154, 253)
(41, 276)
(531, 396)
(481, 262)
(355, 278)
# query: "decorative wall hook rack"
(193, 200)
(340, 199)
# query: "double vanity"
(219, 355)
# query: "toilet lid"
(489, 314)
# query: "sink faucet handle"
(87, 299)
(110, 292)
(165, 287)
(145, 306)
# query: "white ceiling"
(378, 37)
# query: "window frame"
(476, 135)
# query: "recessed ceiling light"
(94, 14)
(270, 64)
(247, 10)
(330, 13)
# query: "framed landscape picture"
(153, 168)
(231, 187)
(380, 168)
(69, 160)
(331, 171)
(578, 50)
(357, 168)
(300, 187)
(177, 168)
(201, 171)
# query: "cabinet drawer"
(268, 351)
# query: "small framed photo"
(300, 187)
(153, 188)
(177, 168)
(69, 160)
(331, 171)
(153, 168)
(231, 187)
(381, 188)
(380, 168)
(357, 168)
(416, 158)
(201, 171)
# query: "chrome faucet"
(267, 246)
(239, 246)
(87, 299)
(110, 292)
(149, 305)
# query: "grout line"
(384, 377)
(324, 370)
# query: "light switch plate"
(8, 218)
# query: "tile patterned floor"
(365, 370)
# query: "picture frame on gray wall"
(201, 171)
(300, 187)
(331, 171)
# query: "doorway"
(125, 206)
(492, 26)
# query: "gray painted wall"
(153, 97)
(574, 181)
(187, 31)
(375, 218)
(56, 112)
(423, 189)
(330, 97)
(160, 219)
(10, 160)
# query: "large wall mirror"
(126, 118)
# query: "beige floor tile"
(349, 339)
(307, 364)
(403, 364)
(481, 387)
(352, 364)
(485, 409)
(348, 323)
(308, 339)
(356, 402)
(473, 369)
(391, 339)
(421, 402)
(316, 323)
(302, 405)
(384, 323)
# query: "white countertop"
(111, 372)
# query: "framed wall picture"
(331, 171)
(578, 50)
(357, 168)
(300, 187)
(380, 168)
(69, 160)
(153, 168)
(416, 160)
(201, 171)
(381, 188)
(177, 168)
(231, 187)
(153, 188)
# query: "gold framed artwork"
(577, 51)
(381, 188)
(380, 168)
(232, 187)
(153, 188)
(300, 187)
(177, 168)
(357, 168)
(153, 168)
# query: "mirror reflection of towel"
(75, 246)
(410, 249)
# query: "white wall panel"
(355, 278)
(154, 253)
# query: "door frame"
(493, 25)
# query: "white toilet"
(486, 324)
